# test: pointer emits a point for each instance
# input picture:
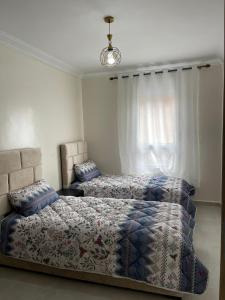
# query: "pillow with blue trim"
(31, 199)
(86, 171)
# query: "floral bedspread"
(161, 188)
(146, 241)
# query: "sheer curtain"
(158, 124)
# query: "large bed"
(159, 188)
(142, 245)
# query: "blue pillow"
(86, 171)
(30, 199)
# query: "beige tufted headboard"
(18, 168)
(71, 153)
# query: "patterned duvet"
(161, 188)
(145, 241)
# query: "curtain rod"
(160, 72)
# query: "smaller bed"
(148, 188)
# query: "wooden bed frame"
(19, 168)
(89, 277)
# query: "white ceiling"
(147, 32)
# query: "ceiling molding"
(54, 62)
(36, 53)
(213, 61)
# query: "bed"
(128, 243)
(148, 188)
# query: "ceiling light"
(110, 56)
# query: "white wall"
(100, 127)
(39, 107)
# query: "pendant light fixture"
(110, 56)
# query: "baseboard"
(207, 203)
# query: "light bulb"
(110, 58)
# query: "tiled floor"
(21, 285)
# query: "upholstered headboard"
(18, 168)
(71, 153)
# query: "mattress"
(160, 188)
(146, 241)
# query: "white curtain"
(158, 124)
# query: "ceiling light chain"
(110, 56)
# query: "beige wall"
(39, 106)
(100, 127)
(210, 126)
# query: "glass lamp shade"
(110, 57)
